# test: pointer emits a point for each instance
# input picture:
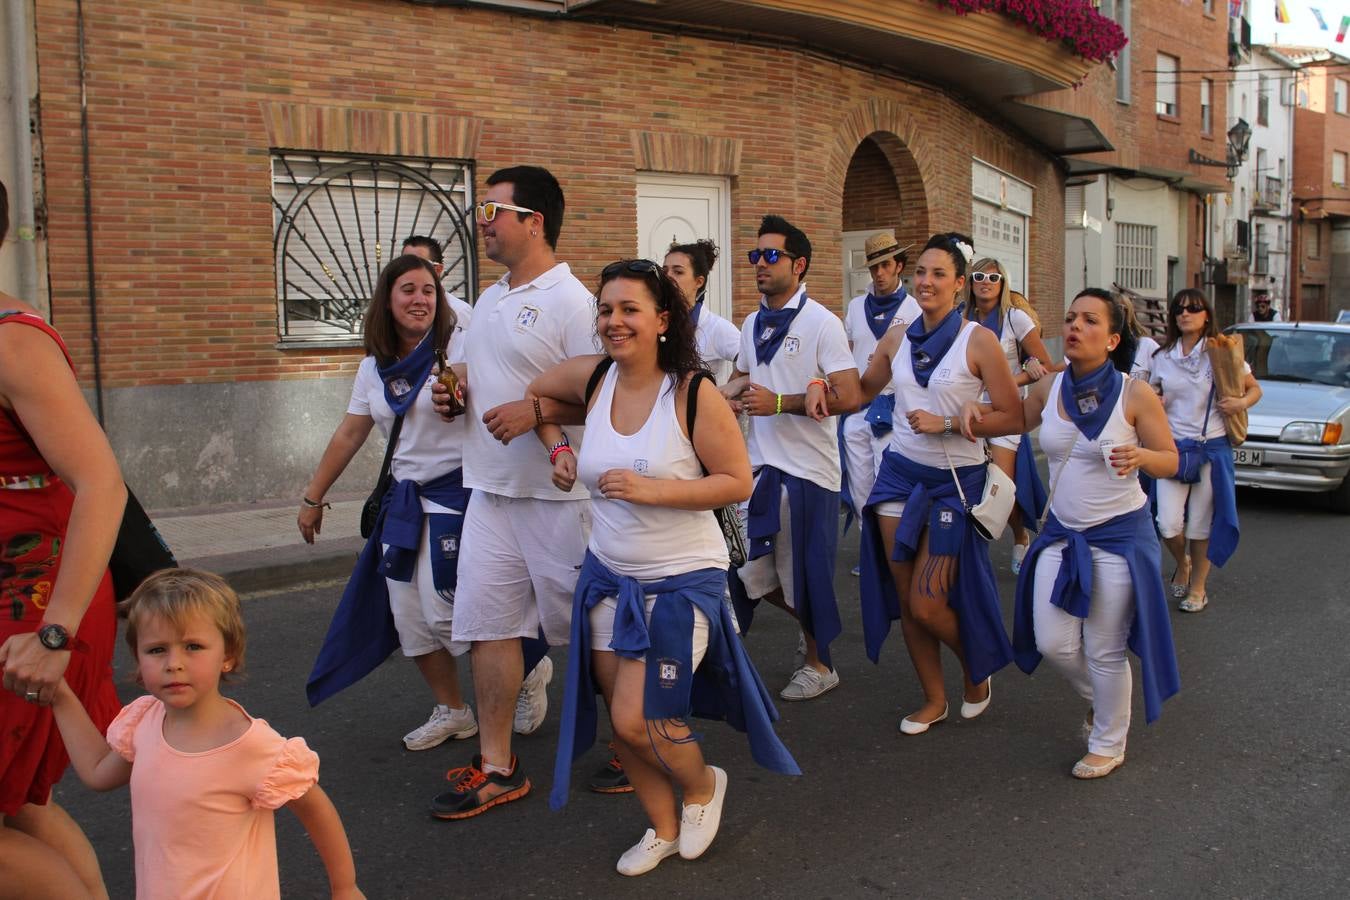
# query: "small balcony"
(1239, 41)
(1268, 194)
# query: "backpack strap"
(691, 409)
(600, 369)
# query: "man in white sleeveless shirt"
(790, 347)
(523, 539)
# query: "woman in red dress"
(61, 500)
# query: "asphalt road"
(1241, 789)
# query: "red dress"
(32, 531)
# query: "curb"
(282, 568)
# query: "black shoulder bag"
(728, 517)
(370, 512)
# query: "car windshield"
(1304, 354)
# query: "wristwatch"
(56, 637)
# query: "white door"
(683, 209)
(1001, 233)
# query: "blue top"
(814, 532)
(1132, 537)
(932, 503)
(362, 633)
(725, 685)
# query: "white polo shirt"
(815, 346)
(716, 340)
(859, 332)
(516, 334)
(428, 446)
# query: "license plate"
(1244, 457)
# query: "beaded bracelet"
(778, 405)
(538, 412)
(824, 385)
(556, 449)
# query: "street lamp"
(1239, 137)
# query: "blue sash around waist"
(1224, 531)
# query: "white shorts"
(762, 576)
(519, 559)
(423, 615)
(602, 626)
(1007, 441)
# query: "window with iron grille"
(339, 219)
(1136, 256)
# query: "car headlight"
(1310, 433)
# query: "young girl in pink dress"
(205, 775)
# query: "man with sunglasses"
(793, 375)
(523, 539)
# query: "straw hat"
(881, 247)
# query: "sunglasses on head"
(770, 255)
(991, 277)
(636, 266)
(1192, 307)
(486, 212)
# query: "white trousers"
(1091, 652)
(422, 614)
(1189, 506)
(862, 455)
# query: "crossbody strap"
(600, 369)
(389, 451)
(1064, 464)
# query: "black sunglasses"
(770, 255)
(1188, 307)
(636, 266)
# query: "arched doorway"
(883, 190)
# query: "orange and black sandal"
(466, 798)
(611, 778)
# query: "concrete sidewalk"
(259, 548)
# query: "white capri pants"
(1091, 652)
(422, 615)
(1189, 506)
(772, 570)
(862, 455)
(602, 626)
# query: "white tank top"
(949, 388)
(1087, 493)
(646, 542)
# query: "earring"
(662, 338)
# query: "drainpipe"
(21, 182)
(89, 217)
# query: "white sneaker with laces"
(808, 683)
(646, 854)
(445, 723)
(532, 701)
(699, 821)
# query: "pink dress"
(203, 822)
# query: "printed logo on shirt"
(668, 672)
(526, 318)
(641, 466)
(943, 375)
(449, 546)
(792, 345)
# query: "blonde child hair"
(175, 594)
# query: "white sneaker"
(698, 822)
(799, 658)
(646, 854)
(808, 683)
(445, 723)
(532, 701)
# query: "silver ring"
(31, 696)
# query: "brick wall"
(872, 200)
(181, 181)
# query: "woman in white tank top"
(648, 610)
(936, 366)
(1099, 428)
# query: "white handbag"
(990, 516)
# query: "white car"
(1298, 436)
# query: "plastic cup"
(1107, 447)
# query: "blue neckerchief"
(362, 634)
(813, 515)
(1130, 536)
(1030, 489)
(993, 321)
(725, 685)
(697, 309)
(881, 310)
(931, 502)
(926, 348)
(403, 379)
(1090, 399)
(771, 326)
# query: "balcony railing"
(1239, 40)
(1261, 258)
(1268, 193)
